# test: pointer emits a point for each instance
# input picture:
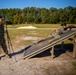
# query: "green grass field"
(31, 32)
(24, 32)
(37, 25)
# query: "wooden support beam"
(62, 46)
(52, 53)
(74, 48)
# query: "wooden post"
(74, 48)
(62, 46)
(52, 53)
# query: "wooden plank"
(44, 45)
(73, 54)
(52, 52)
(74, 49)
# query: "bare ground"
(42, 64)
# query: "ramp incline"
(44, 45)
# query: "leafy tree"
(40, 15)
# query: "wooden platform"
(37, 48)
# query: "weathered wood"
(52, 52)
(73, 55)
(74, 48)
(62, 46)
(45, 45)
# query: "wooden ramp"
(44, 45)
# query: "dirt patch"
(22, 41)
(38, 65)
(35, 66)
(20, 38)
(27, 27)
(31, 38)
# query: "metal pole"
(9, 42)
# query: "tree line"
(36, 15)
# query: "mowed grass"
(31, 32)
(37, 25)
(24, 32)
(13, 34)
